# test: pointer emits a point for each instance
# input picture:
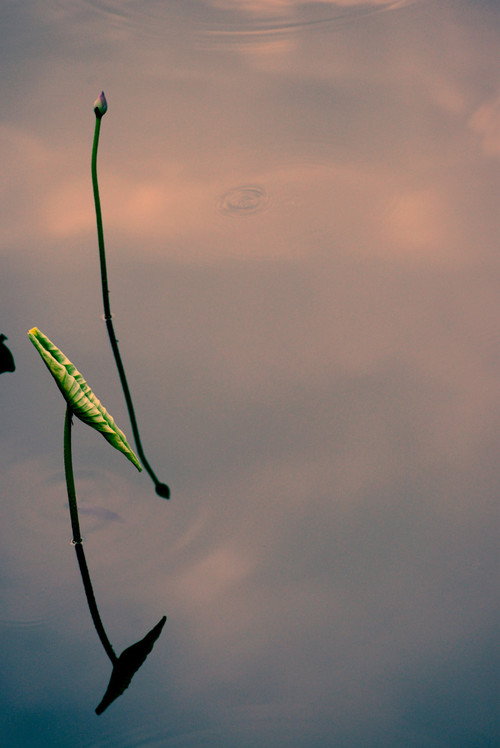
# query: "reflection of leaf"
(6, 357)
(128, 664)
(79, 396)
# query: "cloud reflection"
(485, 123)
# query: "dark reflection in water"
(131, 659)
(6, 357)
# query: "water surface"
(299, 203)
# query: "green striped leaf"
(79, 396)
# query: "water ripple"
(26, 605)
(244, 200)
(232, 19)
(216, 21)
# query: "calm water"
(301, 220)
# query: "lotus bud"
(100, 106)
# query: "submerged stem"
(161, 488)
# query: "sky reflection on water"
(300, 212)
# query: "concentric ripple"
(244, 200)
(232, 18)
(213, 22)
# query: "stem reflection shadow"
(131, 659)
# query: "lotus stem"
(161, 488)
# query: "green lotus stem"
(100, 108)
(100, 232)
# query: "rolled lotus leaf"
(79, 396)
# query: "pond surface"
(300, 205)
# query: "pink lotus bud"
(100, 106)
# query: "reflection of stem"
(94, 612)
(70, 480)
(132, 658)
(77, 538)
(161, 488)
